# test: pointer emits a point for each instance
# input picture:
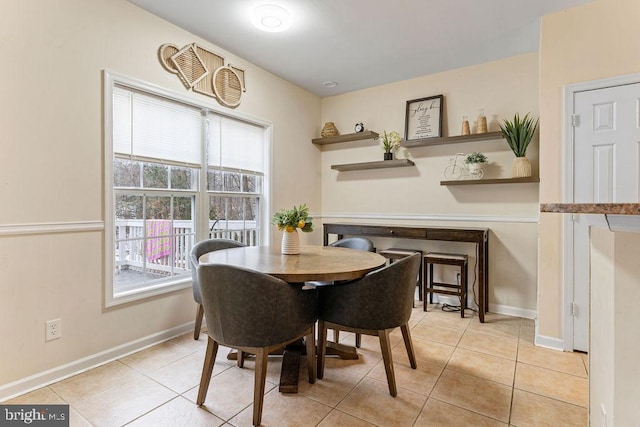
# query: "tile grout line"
(515, 367)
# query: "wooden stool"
(459, 290)
(393, 254)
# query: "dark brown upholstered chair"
(254, 313)
(361, 244)
(374, 305)
(197, 251)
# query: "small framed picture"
(423, 118)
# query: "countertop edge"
(592, 208)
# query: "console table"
(479, 236)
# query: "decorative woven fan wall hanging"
(204, 72)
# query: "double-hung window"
(177, 173)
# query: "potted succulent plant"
(474, 162)
(519, 134)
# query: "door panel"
(606, 159)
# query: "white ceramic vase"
(520, 168)
(290, 242)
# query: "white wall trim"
(549, 342)
(50, 228)
(438, 217)
(50, 376)
(512, 311)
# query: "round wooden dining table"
(314, 263)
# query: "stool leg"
(430, 283)
(464, 271)
(420, 282)
(424, 286)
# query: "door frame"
(567, 191)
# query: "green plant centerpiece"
(518, 134)
(289, 220)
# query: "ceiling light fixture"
(329, 83)
(270, 18)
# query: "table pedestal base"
(291, 361)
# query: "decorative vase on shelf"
(520, 168)
(482, 122)
(290, 242)
(466, 129)
(475, 167)
(388, 156)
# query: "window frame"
(111, 79)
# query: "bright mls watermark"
(34, 415)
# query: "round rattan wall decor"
(165, 52)
(227, 86)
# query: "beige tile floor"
(468, 373)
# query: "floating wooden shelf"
(369, 134)
(452, 139)
(396, 163)
(491, 181)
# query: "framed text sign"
(423, 118)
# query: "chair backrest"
(360, 243)
(382, 299)
(200, 249)
(246, 308)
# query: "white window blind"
(233, 144)
(146, 126)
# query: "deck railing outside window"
(132, 245)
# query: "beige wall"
(614, 370)
(413, 195)
(590, 42)
(51, 170)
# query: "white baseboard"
(45, 378)
(548, 342)
(513, 311)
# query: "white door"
(606, 165)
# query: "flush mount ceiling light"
(329, 83)
(270, 18)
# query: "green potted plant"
(390, 143)
(474, 162)
(289, 220)
(518, 134)
(475, 158)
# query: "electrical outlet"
(53, 329)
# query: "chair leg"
(322, 348)
(406, 335)
(385, 346)
(310, 341)
(258, 385)
(207, 370)
(240, 359)
(358, 340)
(199, 316)
(336, 335)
